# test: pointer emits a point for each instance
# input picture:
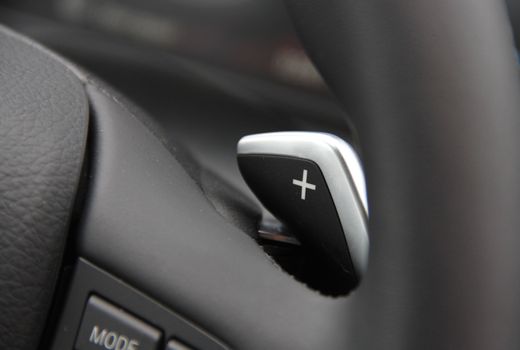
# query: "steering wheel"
(432, 88)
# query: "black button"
(106, 327)
(294, 190)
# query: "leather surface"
(432, 87)
(173, 245)
(43, 128)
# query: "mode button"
(106, 327)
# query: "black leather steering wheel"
(432, 87)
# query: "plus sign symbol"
(304, 185)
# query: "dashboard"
(247, 36)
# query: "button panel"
(106, 327)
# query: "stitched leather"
(43, 128)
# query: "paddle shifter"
(314, 183)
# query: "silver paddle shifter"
(314, 183)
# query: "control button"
(106, 327)
(295, 191)
(177, 345)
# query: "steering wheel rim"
(43, 135)
(432, 87)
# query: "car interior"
(259, 174)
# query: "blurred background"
(208, 71)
